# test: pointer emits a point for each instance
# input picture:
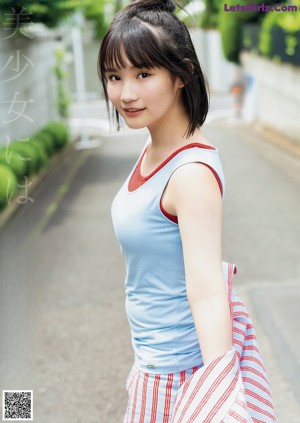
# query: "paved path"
(63, 327)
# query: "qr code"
(17, 405)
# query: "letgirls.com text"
(264, 8)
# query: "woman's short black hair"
(151, 35)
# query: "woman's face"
(143, 97)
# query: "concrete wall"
(90, 55)
(219, 72)
(277, 99)
(28, 96)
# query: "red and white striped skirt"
(151, 397)
(233, 388)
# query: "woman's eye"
(114, 78)
(143, 75)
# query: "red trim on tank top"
(174, 218)
(137, 179)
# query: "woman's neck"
(166, 137)
(171, 131)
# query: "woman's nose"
(128, 93)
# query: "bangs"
(138, 43)
(147, 38)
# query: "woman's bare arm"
(195, 196)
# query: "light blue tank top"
(163, 332)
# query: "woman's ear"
(180, 83)
(189, 73)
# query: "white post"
(85, 142)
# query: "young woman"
(196, 355)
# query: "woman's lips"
(133, 111)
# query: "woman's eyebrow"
(131, 67)
(107, 70)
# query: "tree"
(231, 23)
(53, 12)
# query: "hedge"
(59, 132)
(25, 157)
(8, 185)
(14, 161)
(231, 25)
(28, 154)
(46, 140)
(281, 28)
(209, 18)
